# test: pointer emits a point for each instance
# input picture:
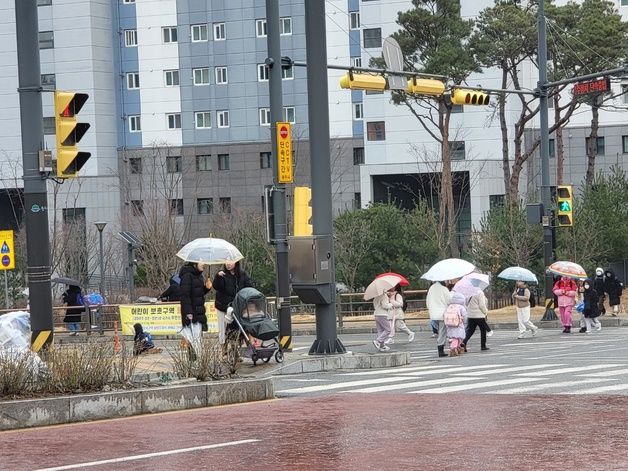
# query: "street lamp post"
(101, 226)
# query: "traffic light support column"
(35, 194)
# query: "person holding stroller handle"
(227, 283)
(192, 293)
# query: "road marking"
(568, 370)
(347, 384)
(466, 387)
(148, 455)
(450, 370)
(605, 374)
(584, 353)
(299, 348)
(508, 370)
(602, 389)
(309, 380)
(397, 370)
(413, 384)
(540, 387)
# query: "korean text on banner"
(160, 319)
(284, 151)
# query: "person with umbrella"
(383, 308)
(192, 293)
(227, 282)
(566, 290)
(398, 320)
(521, 296)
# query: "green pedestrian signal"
(565, 206)
(564, 194)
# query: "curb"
(84, 407)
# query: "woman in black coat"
(192, 291)
(227, 283)
(73, 297)
(613, 288)
(173, 292)
(591, 308)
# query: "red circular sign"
(283, 132)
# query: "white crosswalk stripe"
(455, 369)
(477, 385)
(329, 387)
(545, 386)
(396, 371)
(606, 374)
(413, 384)
(572, 369)
(507, 370)
(604, 389)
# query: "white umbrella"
(518, 274)
(449, 269)
(471, 284)
(210, 251)
(380, 285)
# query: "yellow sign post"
(7, 252)
(284, 151)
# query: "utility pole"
(279, 189)
(327, 341)
(35, 194)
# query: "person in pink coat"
(565, 289)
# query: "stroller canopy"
(249, 309)
(244, 298)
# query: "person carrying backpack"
(73, 299)
(143, 341)
(455, 317)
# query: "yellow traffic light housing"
(363, 82)
(429, 87)
(461, 96)
(69, 132)
(302, 211)
(564, 198)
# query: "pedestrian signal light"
(564, 196)
(69, 132)
(429, 87)
(302, 211)
(461, 96)
(363, 82)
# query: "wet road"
(337, 431)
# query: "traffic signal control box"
(564, 198)
(302, 211)
(461, 96)
(69, 132)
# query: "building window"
(219, 32)
(49, 80)
(169, 34)
(376, 131)
(135, 165)
(225, 205)
(203, 119)
(223, 162)
(624, 144)
(49, 126)
(457, 149)
(130, 38)
(137, 207)
(203, 163)
(287, 73)
(43, 3)
(372, 37)
(132, 80)
(496, 201)
(135, 123)
(173, 120)
(600, 145)
(262, 72)
(261, 28)
(624, 3)
(354, 20)
(552, 148)
(264, 116)
(358, 111)
(174, 164)
(201, 76)
(357, 201)
(46, 40)
(457, 108)
(171, 77)
(199, 33)
(176, 207)
(624, 92)
(265, 160)
(285, 26)
(358, 155)
(223, 118)
(205, 205)
(221, 75)
(289, 114)
(356, 62)
(128, 1)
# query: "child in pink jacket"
(566, 290)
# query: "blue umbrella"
(518, 274)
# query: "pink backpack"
(452, 316)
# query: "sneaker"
(410, 336)
(434, 336)
(484, 349)
(587, 331)
(535, 331)
(378, 346)
(389, 341)
(522, 335)
(582, 330)
(74, 334)
(489, 333)
(599, 327)
(385, 348)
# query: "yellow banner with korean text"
(161, 318)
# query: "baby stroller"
(249, 314)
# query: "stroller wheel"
(254, 358)
(266, 360)
(278, 356)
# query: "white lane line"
(448, 370)
(309, 380)
(540, 387)
(401, 369)
(346, 384)
(509, 370)
(606, 374)
(603, 389)
(413, 384)
(148, 455)
(572, 369)
(299, 348)
(584, 353)
(466, 387)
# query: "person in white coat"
(437, 300)
(384, 306)
(398, 321)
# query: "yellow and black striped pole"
(41, 339)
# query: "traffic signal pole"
(279, 189)
(35, 194)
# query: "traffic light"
(429, 87)
(68, 133)
(363, 82)
(564, 197)
(302, 211)
(461, 96)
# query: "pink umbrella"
(471, 284)
(569, 269)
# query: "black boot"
(568, 329)
(582, 330)
(441, 351)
